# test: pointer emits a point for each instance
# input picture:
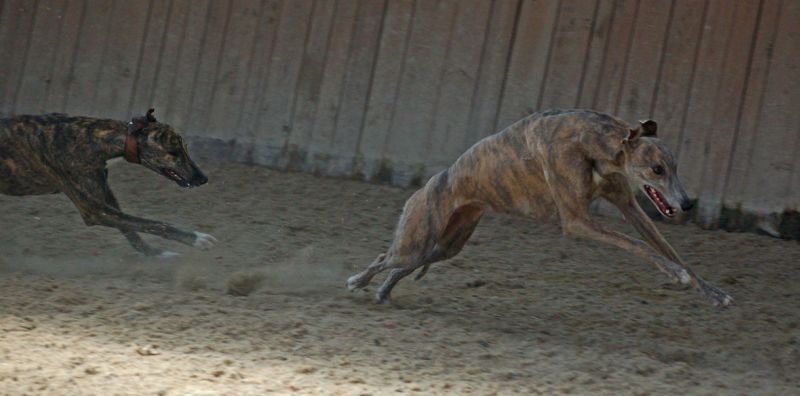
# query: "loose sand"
(521, 311)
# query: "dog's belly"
(540, 208)
(537, 205)
(18, 179)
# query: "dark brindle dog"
(552, 162)
(56, 153)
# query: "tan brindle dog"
(557, 161)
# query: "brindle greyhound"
(555, 161)
(56, 153)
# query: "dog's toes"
(354, 282)
(204, 241)
(166, 255)
(718, 297)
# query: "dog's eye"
(658, 169)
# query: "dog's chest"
(596, 178)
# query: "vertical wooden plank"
(459, 78)
(167, 65)
(245, 133)
(234, 62)
(15, 28)
(195, 116)
(700, 115)
(418, 90)
(186, 54)
(55, 97)
(44, 38)
(333, 81)
(749, 127)
(274, 120)
(88, 58)
(792, 201)
(120, 58)
(529, 56)
(385, 84)
(149, 58)
(309, 86)
(674, 83)
(770, 175)
(644, 59)
(720, 134)
(358, 75)
(616, 53)
(595, 53)
(491, 72)
(568, 54)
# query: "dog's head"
(158, 147)
(651, 168)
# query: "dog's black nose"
(199, 179)
(686, 205)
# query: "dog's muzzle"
(660, 202)
(198, 178)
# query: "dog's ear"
(648, 127)
(633, 135)
(137, 124)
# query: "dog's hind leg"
(394, 276)
(414, 238)
(459, 229)
(361, 279)
(429, 230)
(400, 267)
(460, 225)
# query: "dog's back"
(508, 170)
(29, 144)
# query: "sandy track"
(81, 313)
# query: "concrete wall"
(396, 89)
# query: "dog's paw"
(356, 282)
(166, 255)
(204, 241)
(683, 277)
(717, 297)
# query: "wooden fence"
(396, 89)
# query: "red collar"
(132, 149)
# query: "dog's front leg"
(89, 198)
(133, 238)
(571, 186)
(636, 216)
(588, 229)
(625, 201)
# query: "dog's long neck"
(107, 140)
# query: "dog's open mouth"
(659, 201)
(174, 176)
